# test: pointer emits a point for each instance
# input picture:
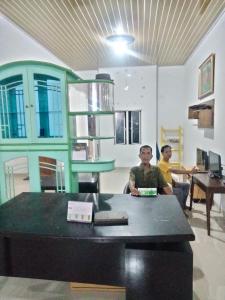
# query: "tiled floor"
(209, 259)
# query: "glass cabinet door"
(48, 106)
(32, 106)
(12, 108)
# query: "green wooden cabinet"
(34, 127)
(45, 110)
(33, 104)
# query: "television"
(215, 167)
(201, 160)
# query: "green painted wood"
(46, 70)
(74, 183)
(19, 70)
(27, 70)
(32, 144)
(93, 166)
(33, 148)
(58, 148)
(34, 170)
(71, 74)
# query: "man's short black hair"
(145, 147)
(164, 147)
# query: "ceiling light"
(119, 42)
(119, 30)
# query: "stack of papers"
(111, 218)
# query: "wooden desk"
(150, 256)
(209, 186)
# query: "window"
(128, 127)
(48, 99)
(12, 108)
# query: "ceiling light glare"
(119, 30)
(120, 42)
(119, 47)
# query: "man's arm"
(167, 190)
(132, 187)
(183, 171)
(133, 190)
(163, 184)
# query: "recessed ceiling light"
(127, 38)
(119, 42)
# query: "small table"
(209, 186)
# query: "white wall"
(15, 45)
(212, 43)
(171, 100)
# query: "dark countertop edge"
(121, 239)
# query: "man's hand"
(167, 190)
(132, 187)
(134, 192)
(194, 170)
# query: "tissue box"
(147, 191)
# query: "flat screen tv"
(202, 160)
(215, 167)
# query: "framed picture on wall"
(206, 77)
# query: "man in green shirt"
(146, 175)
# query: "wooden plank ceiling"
(166, 31)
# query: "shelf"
(84, 113)
(92, 138)
(174, 138)
(84, 166)
(80, 81)
(91, 124)
(204, 113)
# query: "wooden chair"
(126, 189)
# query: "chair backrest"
(126, 189)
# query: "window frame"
(128, 127)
